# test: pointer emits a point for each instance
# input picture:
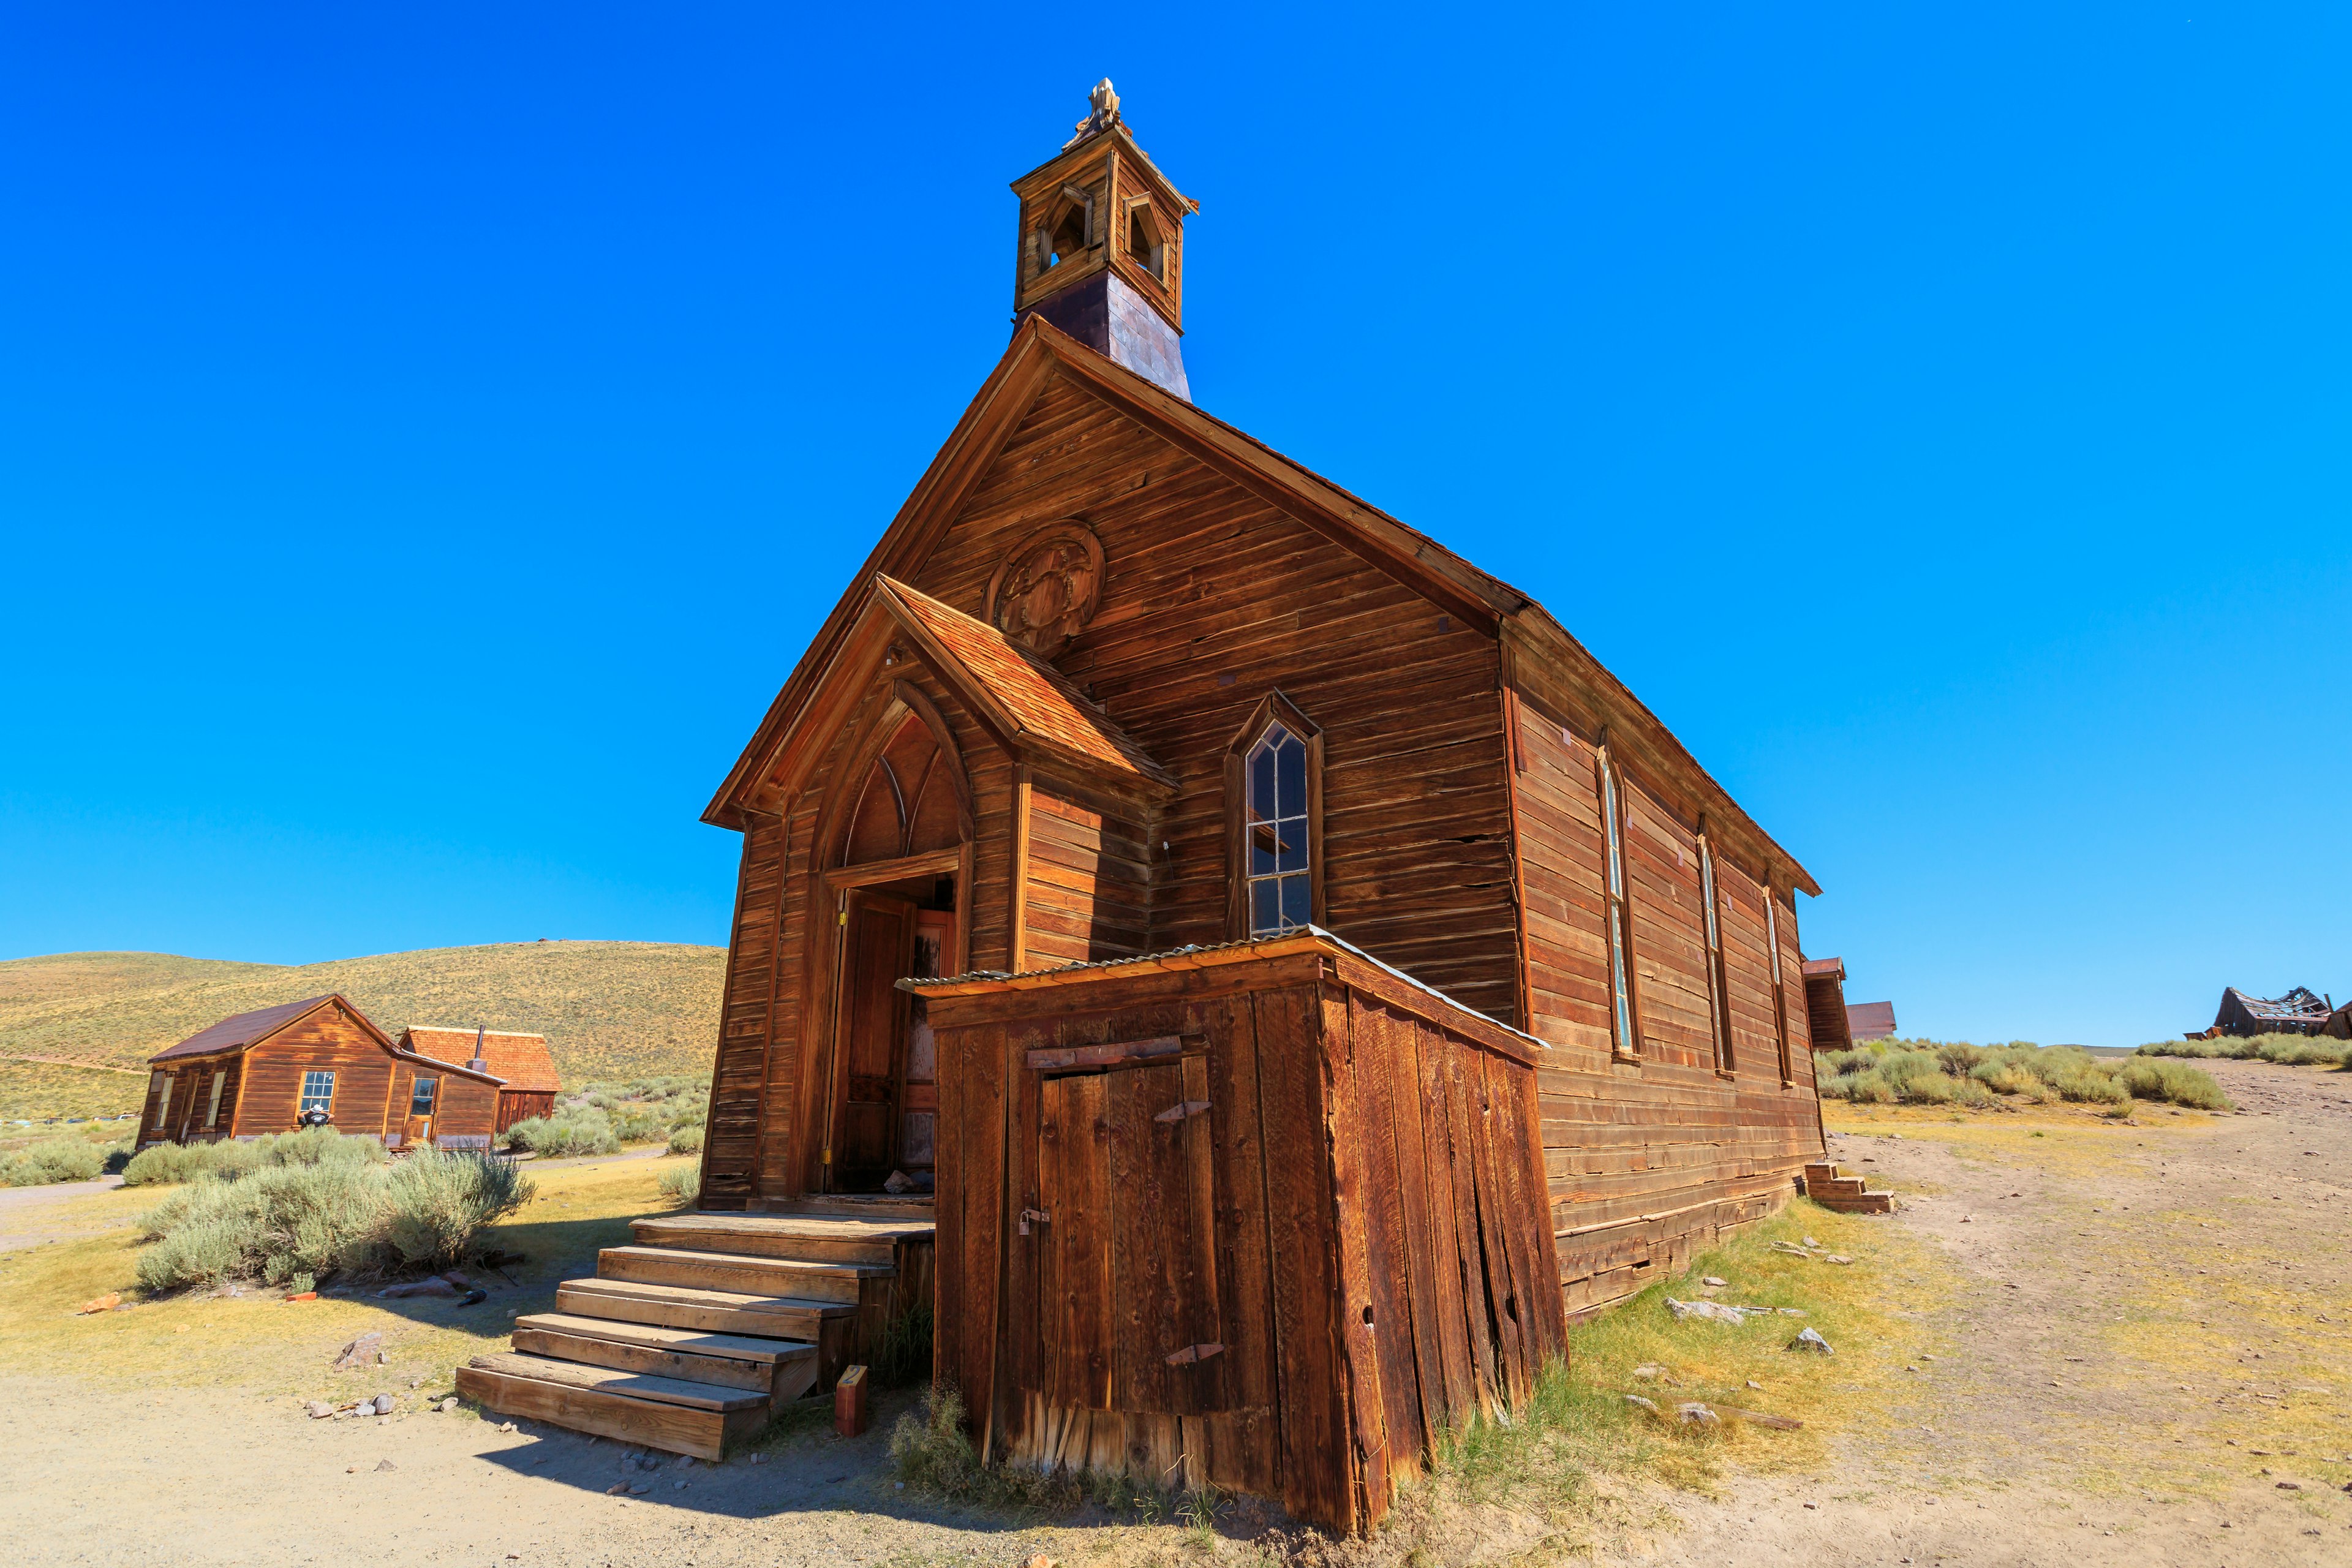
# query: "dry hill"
(609, 1009)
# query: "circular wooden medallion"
(1047, 589)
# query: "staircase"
(695, 1336)
(1834, 1189)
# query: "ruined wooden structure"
(1248, 851)
(262, 1072)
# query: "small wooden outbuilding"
(261, 1072)
(525, 1069)
(1825, 1003)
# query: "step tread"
(694, 1296)
(816, 1227)
(674, 1428)
(708, 1397)
(754, 1261)
(654, 1336)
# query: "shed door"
(1128, 1275)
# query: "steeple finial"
(1105, 102)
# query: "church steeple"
(1102, 247)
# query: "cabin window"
(1281, 890)
(1274, 821)
(317, 1093)
(212, 1111)
(1779, 991)
(1625, 1041)
(420, 1103)
(1718, 993)
(161, 1084)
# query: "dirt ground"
(2151, 1336)
(2142, 1330)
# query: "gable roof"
(1019, 693)
(521, 1063)
(1870, 1020)
(1040, 350)
(244, 1030)
(2299, 1006)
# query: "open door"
(869, 1055)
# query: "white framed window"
(1281, 855)
(212, 1111)
(317, 1093)
(420, 1100)
(1718, 994)
(161, 1084)
(1625, 1037)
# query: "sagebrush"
(2291, 1050)
(67, 1159)
(290, 1224)
(1927, 1072)
(167, 1163)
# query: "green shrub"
(287, 1223)
(683, 1183)
(2150, 1079)
(572, 1130)
(310, 1146)
(2291, 1050)
(53, 1160)
(686, 1140)
(933, 1455)
(1868, 1086)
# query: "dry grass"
(258, 1344)
(609, 1009)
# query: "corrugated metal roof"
(240, 1030)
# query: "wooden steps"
(1832, 1188)
(804, 1279)
(691, 1339)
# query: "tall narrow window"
(1625, 1041)
(212, 1111)
(420, 1100)
(1274, 820)
(1718, 993)
(1779, 991)
(1281, 894)
(317, 1093)
(163, 1082)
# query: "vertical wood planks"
(1076, 1277)
(1315, 1477)
(1390, 1249)
(1352, 1209)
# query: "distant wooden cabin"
(2299, 1011)
(528, 1082)
(258, 1073)
(1825, 1003)
(1321, 976)
(1867, 1021)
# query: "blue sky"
(430, 434)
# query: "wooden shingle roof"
(521, 1062)
(1028, 700)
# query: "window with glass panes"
(1718, 993)
(420, 1103)
(1281, 894)
(1779, 991)
(318, 1093)
(1626, 1039)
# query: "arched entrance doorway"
(901, 871)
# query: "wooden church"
(1291, 974)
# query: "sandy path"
(2151, 1334)
(30, 1217)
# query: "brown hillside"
(609, 1009)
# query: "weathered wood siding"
(270, 1100)
(464, 1109)
(1336, 1190)
(1087, 877)
(1214, 598)
(1648, 1161)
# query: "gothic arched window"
(1275, 806)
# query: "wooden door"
(1127, 1275)
(919, 1103)
(878, 933)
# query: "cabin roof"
(521, 1062)
(1040, 350)
(2300, 1005)
(1870, 1020)
(1831, 968)
(242, 1029)
(1035, 701)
